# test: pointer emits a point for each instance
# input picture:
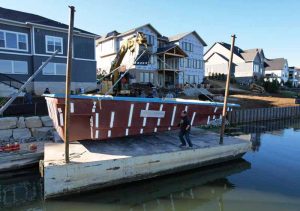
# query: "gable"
(216, 58)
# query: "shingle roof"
(111, 34)
(236, 50)
(25, 18)
(274, 64)
(182, 35)
(249, 56)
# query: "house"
(247, 64)
(174, 60)
(27, 41)
(294, 76)
(277, 67)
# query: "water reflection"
(19, 188)
(253, 131)
(195, 187)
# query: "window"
(189, 63)
(192, 79)
(187, 46)
(53, 44)
(13, 67)
(181, 60)
(55, 69)
(150, 39)
(146, 77)
(13, 40)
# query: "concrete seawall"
(101, 164)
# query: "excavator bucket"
(143, 58)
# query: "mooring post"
(68, 83)
(227, 90)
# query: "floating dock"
(95, 164)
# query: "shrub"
(271, 86)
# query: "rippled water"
(268, 178)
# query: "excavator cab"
(120, 76)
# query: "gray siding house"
(27, 40)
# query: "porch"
(168, 65)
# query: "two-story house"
(277, 68)
(247, 64)
(174, 60)
(27, 40)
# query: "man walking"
(185, 128)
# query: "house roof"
(28, 18)
(170, 47)
(182, 35)
(274, 64)
(249, 56)
(115, 33)
(222, 56)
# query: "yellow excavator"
(120, 77)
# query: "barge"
(102, 117)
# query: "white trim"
(15, 53)
(141, 131)
(130, 115)
(64, 57)
(145, 118)
(112, 118)
(160, 108)
(65, 30)
(173, 115)
(97, 134)
(97, 120)
(17, 39)
(47, 37)
(155, 129)
(72, 107)
(33, 41)
(194, 114)
(14, 23)
(208, 120)
(55, 68)
(126, 132)
(109, 133)
(12, 70)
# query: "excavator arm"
(129, 45)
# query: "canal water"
(267, 178)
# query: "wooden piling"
(68, 83)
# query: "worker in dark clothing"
(185, 128)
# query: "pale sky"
(273, 25)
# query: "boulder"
(21, 122)
(42, 132)
(33, 122)
(47, 122)
(21, 133)
(8, 122)
(5, 134)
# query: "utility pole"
(68, 83)
(227, 90)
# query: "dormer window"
(53, 44)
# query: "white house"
(277, 67)
(174, 60)
(247, 64)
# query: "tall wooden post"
(68, 83)
(164, 71)
(227, 90)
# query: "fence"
(263, 114)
